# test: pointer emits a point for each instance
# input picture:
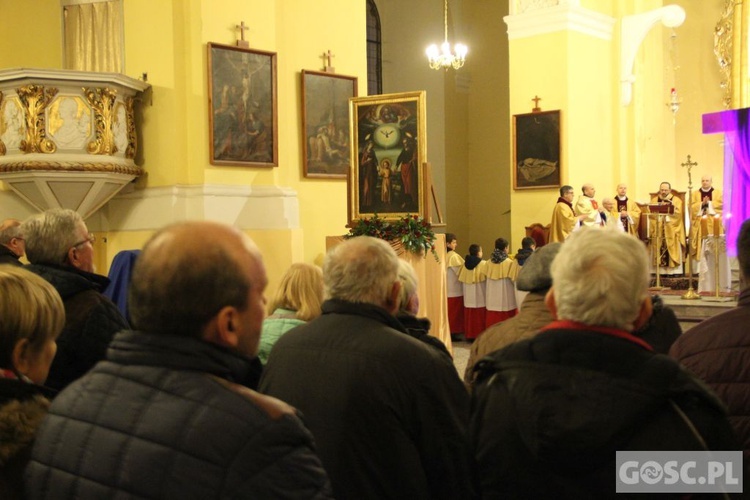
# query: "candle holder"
(717, 278)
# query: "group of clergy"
(625, 215)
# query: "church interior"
(630, 89)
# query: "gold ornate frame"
(325, 123)
(389, 141)
(242, 104)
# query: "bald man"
(169, 413)
(705, 202)
(588, 207)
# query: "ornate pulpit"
(68, 138)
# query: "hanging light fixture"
(443, 57)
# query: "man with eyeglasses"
(60, 250)
(11, 242)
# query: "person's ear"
(72, 256)
(226, 331)
(647, 308)
(391, 303)
(21, 357)
(549, 301)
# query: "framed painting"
(242, 106)
(536, 150)
(325, 123)
(389, 150)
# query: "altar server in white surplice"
(453, 264)
(473, 280)
(501, 294)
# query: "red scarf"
(614, 332)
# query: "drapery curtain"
(94, 36)
(736, 124)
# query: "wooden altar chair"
(539, 232)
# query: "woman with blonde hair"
(31, 317)
(297, 301)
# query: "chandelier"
(443, 57)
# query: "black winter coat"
(22, 407)
(388, 412)
(165, 417)
(91, 320)
(718, 351)
(549, 413)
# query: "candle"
(717, 225)
(704, 226)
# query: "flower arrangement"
(413, 232)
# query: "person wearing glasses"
(11, 242)
(60, 250)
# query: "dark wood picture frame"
(537, 150)
(242, 106)
(325, 123)
(389, 151)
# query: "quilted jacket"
(168, 417)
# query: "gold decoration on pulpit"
(132, 136)
(34, 100)
(102, 101)
(723, 48)
(2, 129)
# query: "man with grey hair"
(60, 250)
(169, 413)
(12, 244)
(551, 411)
(388, 412)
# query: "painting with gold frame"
(536, 150)
(389, 150)
(242, 106)
(325, 123)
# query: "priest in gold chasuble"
(672, 231)
(706, 202)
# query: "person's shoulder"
(273, 408)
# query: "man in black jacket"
(61, 250)
(169, 414)
(550, 412)
(388, 412)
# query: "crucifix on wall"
(327, 56)
(242, 42)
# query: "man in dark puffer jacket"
(169, 413)
(60, 249)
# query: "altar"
(433, 298)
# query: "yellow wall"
(167, 39)
(31, 31)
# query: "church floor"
(461, 356)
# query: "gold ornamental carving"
(3, 150)
(723, 46)
(132, 136)
(102, 101)
(69, 166)
(35, 99)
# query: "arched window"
(374, 55)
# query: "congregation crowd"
(335, 388)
